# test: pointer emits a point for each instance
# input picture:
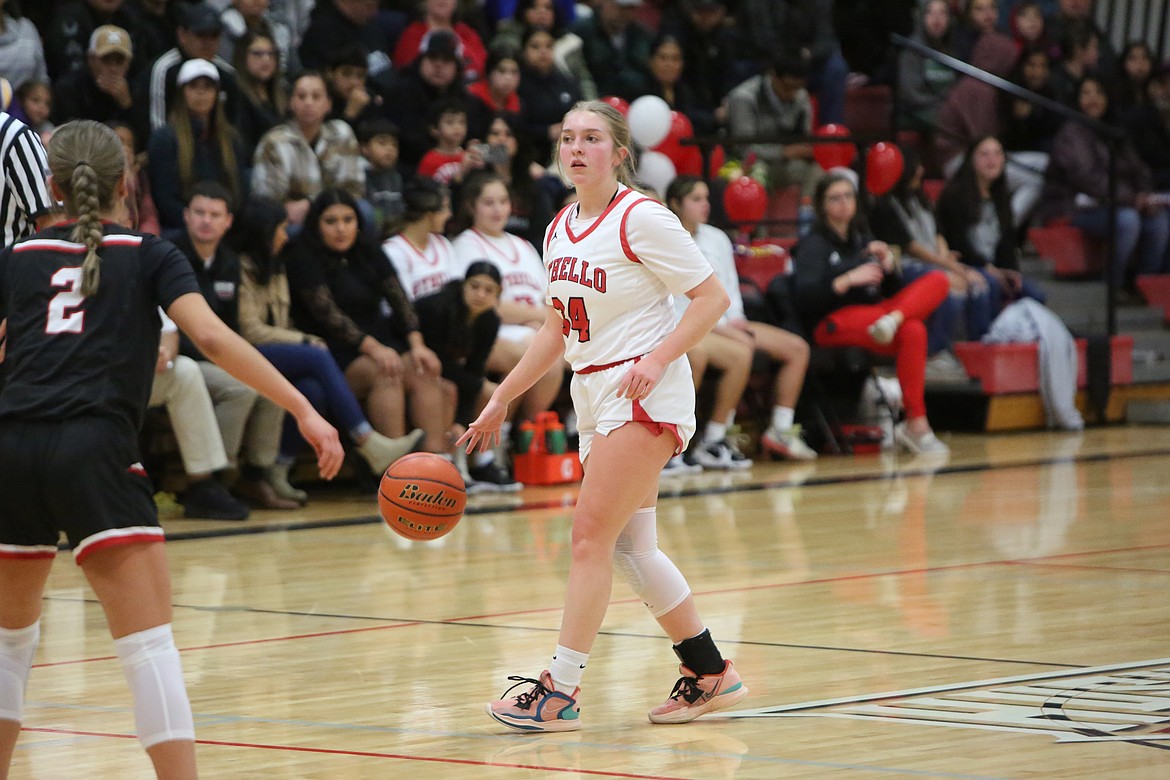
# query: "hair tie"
(79, 163)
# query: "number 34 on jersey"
(574, 315)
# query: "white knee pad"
(651, 575)
(17, 647)
(150, 661)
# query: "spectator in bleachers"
(1027, 26)
(483, 215)
(710, 45)
(264, 96)
(100, 91)
(422, 257)
(302, 358)
(434, 76)
(344, 291)
(69, 29)
(198, 39)
(295, 15)
(1150, 126)
(345, 78)
(975, 217)
(1080, 56)
(447, 162)
(179, 386)
(335, 24)
(904, 218)
(733, 336)
(441, 15)
(978, 18)
(249, 18)
(500, 14)
(802, 28)
(666, 69)
(846, 295)
(21, 55)
(1071, 13)
(495, 93)
(773, 104)
(566, 49)
(1137, 64)
(616, 48)
(198, 144)
(864, 28)
(1027, 127)
(460, 322)
(245, 419)
(546, 92)
(1078, 189)
(923, 85)
(33, 103)
(378, 140)
(157, 21)
(141, 213)
(296, 160)
(534, 192)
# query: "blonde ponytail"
(87, 161)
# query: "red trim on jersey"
(601, 218)
(486, 242)
(629, 250)
(556, 220)
(115, 537)
(608, 366)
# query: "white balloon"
(656, 170)
(649, 120)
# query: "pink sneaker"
(541, 708)
(694, 696)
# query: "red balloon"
(681, 156)
(745, 200)
(718, 159)
(834, 155)
(883, 167)
(622, 106)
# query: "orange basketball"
(422, 496)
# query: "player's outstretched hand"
(484, 433)
(323, 438)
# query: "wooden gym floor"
(1000, 615)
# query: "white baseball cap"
(194, 69)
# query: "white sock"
(782, 418)
(715, 432)
(505, 433)
(17, 648)
(481, 459)
(567, 668)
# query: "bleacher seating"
(1072, 253)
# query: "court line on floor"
(468, 619)
(708, 490)
(508, 738)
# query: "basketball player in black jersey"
(81, 302)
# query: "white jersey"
(521, 270)
(611, 279)
(425, 272)
(717, 248)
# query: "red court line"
(1087, 567)
(714, 592)
(370, 754)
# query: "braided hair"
(87, 161)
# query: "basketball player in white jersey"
(613, 260)
(485, 207)
(422, 257)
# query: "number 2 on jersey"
(63, 317)
(574, 318)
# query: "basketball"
(422, 496)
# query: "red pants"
(848, 327)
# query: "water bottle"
(524, 439)
(805, 216)
(555, 440)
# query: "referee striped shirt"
(25, 192)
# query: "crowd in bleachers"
(375, 154)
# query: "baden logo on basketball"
(415, 493)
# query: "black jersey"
(70, 356)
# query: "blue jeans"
(1150, 231)
(827, 82)
(316, 374)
